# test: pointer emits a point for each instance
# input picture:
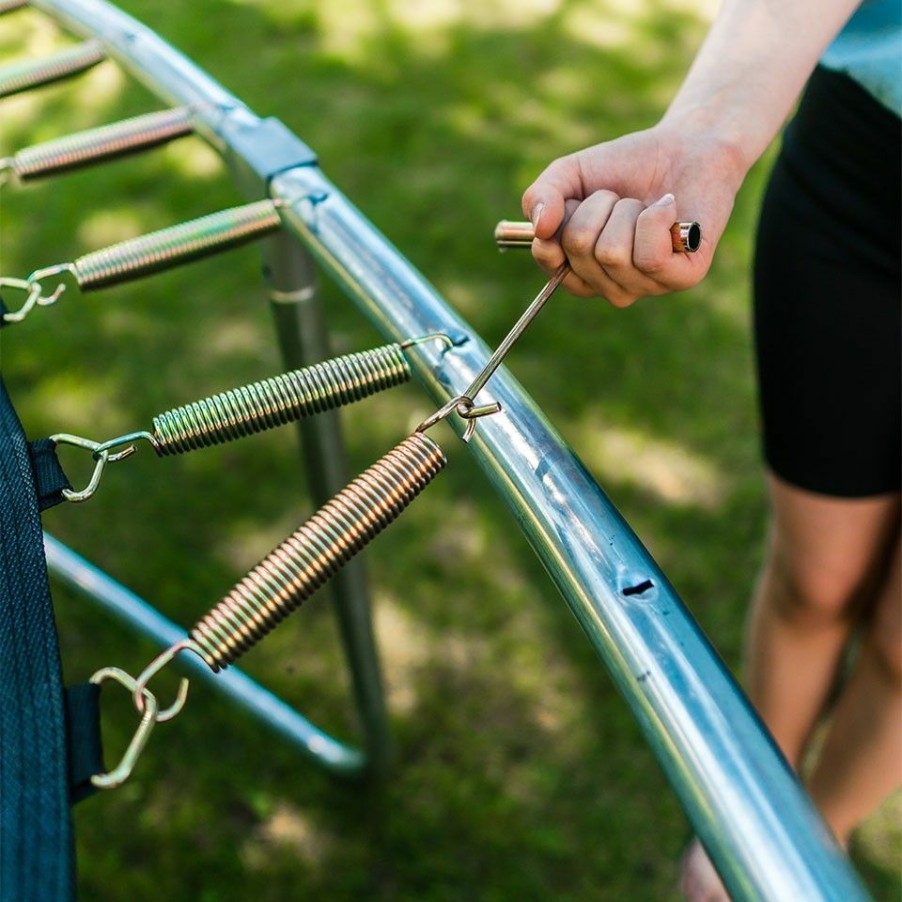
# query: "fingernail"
(666, 201)
(535, 213)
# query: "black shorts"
(828, 296)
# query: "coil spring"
(178, 244)
(116, 139)
(305, 560)
(279, 400)
(33, 73)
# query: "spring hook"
(33, 73)
(32, 295)
(95, 145)
(101, 456)
(464, 407)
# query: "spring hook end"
(156, 665)
(35, 296)
(471, 413)
(32, 296)
(429, 336)
(102, 457)
(464, 407)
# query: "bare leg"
(826, 561)
(860, 763)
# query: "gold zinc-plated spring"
(98, 144)
(177, 244)
(254, 408)
(147, 254)
(24, 76)
(279, 400)
(283, 580)
(308, 558)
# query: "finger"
(622, 283)
(614, 248)
(547, 252)
(544, 201)
(653, 252)
(581, 232)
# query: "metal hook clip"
(429, 336)
(33, 294)
(152, 669)
(149, 717)
(101, 455)
(36, 296)
(464, 407)
(125, 440)
(464, 404)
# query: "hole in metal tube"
(639, 588)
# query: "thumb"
(544, 201)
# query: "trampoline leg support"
(302, 334)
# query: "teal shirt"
(869, 50)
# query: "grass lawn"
(520, 774)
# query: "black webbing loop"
(83, 729)
(49, 478)
(36, 854)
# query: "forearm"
(752, 67)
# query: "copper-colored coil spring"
(104, 143)
(177, 244)
(33, 73)
(304, 561)
(279, 400)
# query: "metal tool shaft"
(686, 237)
(519, 328)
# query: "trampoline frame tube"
(740, 796)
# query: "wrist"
(711, 141)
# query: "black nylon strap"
(83, 729)
(49, 478)
(36, 856)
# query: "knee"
(812, 595)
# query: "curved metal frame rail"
(741, 798)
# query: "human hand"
(608, 209)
